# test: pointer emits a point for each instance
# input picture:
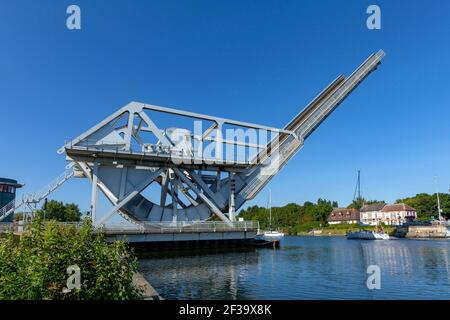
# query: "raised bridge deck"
(152, 159)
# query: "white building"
(371, 214)
(390, 214)
(398, 214)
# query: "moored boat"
(367, 235)
(273, 234)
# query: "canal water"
(306, 268)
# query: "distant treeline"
(292, 218)
(426, 205)
(295, 218)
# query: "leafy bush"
(35, 266)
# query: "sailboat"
(441, 219)
(367, 235)
(271, 234)
(378, 234)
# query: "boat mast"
(357, 187)
(270, 209)
(359, 184)
(438, 200)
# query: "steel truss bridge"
(154, 174)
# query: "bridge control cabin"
(8, 189)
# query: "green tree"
(375, 202)
(57, 210)
(35, 267)
(357, 203)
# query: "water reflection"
(410, 258)
(202, 276)
(307, 268)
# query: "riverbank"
(341, 230)
(148, 292)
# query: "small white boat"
(272, 235)
(367, 235)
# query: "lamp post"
(45, 208)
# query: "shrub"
(35, 266)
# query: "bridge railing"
(182, 227)
(6, 226)
(156, 227)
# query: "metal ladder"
(7, 209)
(37, 197)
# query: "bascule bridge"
(166, 175)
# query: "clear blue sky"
(257, 61)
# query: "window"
(4, 188)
